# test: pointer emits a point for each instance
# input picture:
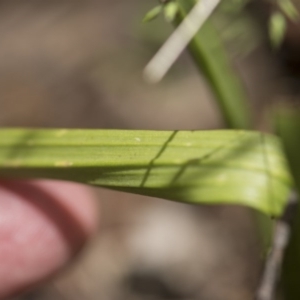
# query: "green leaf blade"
(209, 167)
(152, 14)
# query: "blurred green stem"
(211, 59)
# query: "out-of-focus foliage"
(233, 6)
(289, 9)
(237, 27)
(277, 29)
(170, 11)
(153, 13)
(211, 59)
(278, 21)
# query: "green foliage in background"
(277, 28)
(210, 57)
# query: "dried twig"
(267, 286)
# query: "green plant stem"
(211, 59)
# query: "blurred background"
(78, 64)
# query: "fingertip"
(43, 224)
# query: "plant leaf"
(289, 9)
(170, 11)
(277, 29)
(153, 13)
(233, 6)
(209, 167)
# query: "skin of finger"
(43, 225)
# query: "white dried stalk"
(178, 41)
